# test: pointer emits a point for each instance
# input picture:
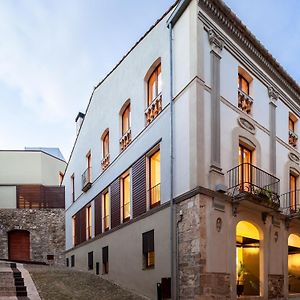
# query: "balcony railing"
(86, 179)
(247, 180)
(153, 109)
(290, 203)
(154, 195)
(293, 138)
(105, 162)
(244, 102)
(125, 139)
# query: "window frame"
(105, 144)
(148, 247)
(155, 73)
(105, 260)
(150, 187)
(88, 222)
(123, 177)
(127, 110)
(242, 79)
(73, 187)
(106, 192)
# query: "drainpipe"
(173, 233)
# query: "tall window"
(106, 144)
(89, 222)
(126, 197)
(148, 249)
(89, 166)
(73, 187)
(293, 137)
(154, 84)
(106, 211)
(90, 260)
(243, 84)
(126, 120)
(154, 178)
(291, 124)
(245, 161)
(293, 188)
(74, 230)
(105, 260)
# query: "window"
(67, 262)
(106, 211)
(243, 84)
(74, 230)
(73, 188)
(73, 261)
(293, 137)
(126, 197)
(89, 165)
(154, 85)
(126, 120)
(245, 161)
(105, 260)
(293, 189)
(148, 249)
(89, 222)
(90, 260)
(105, 150)
(154, 179)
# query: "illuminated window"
(293, 189)
(106, 211)
(293, 137)
(74, 230)
(126, 120)
(291, 124)
(294, 264)
(105, 260)
(245, 161)
(154, 84)
(89, 222)
(154, 179)
(126, 197)
(106, 144)
(148, 249)
(73, 187)
(243, 84)
(247, 259)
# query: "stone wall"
(47, 232)
(275, 286)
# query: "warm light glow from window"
(126, 197)
(245, 157)
(106, 144)
(291, 125)
(243, 84)
(126, 120)
(154, 178)
(246, 229)
(154, 84)
(89, 221)
(106, 211)
(293, 188)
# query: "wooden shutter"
(77, 228)
(98, 214)
(115, 203)
(139, 192)
(148, 241)
(105, 254)
(82, 225)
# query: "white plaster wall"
(8, 197)
(29, 167)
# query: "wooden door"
(19, 245)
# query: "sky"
(53, 53)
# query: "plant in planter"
(266, 194)
(241, 271)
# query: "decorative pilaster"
(217, 44)
(273, 95)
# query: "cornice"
(228, 21)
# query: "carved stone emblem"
(215, 41)
(272, 94)
(294, 157)
(219, 224)
(246, 124)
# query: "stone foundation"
(47, 232)
(275, 286)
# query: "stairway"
(11, 281)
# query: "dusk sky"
(52, 54)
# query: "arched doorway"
(247, 259)
(294, 263)
(19, 245)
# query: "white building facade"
(221, 216)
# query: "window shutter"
(148, 241)
(77, 228)
(82, 225)
(98, 214)
(139, 192)
(115, 203)
(105, 254)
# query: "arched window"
(247, 259)
(126, 121)
(154, 89)
(105, 150)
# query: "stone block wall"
(275, 286)
(47, 232)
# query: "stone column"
(217, 44)
(273, 95)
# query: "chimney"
(79, 119)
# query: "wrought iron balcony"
(86, 180)
(244, 101)
(290, 203)
(249, 182)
